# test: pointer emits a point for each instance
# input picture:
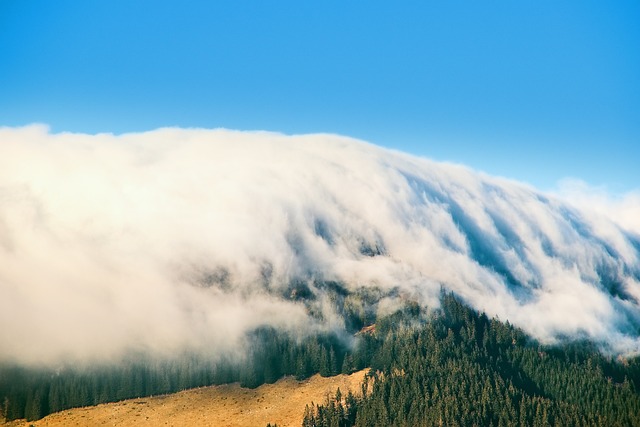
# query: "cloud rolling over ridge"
(187, 239)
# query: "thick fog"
(186, 239)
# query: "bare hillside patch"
(227, 405)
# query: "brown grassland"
(227, 405)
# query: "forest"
(461, 368)
(448, 366)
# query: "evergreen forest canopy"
(461, 368)
(450, 366)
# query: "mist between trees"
(449, 366)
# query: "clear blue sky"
(531, 90)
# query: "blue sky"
(531, 90)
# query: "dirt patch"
(227, 405)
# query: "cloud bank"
(181, 239)
(622, 209)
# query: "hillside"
(155, 262)
(464, 369)
(227, 405)
(452, 366)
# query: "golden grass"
(227, 405)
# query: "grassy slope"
(226, 405)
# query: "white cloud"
(109, 243)
(623, 209)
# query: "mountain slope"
(229, 405)
(462, 368)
